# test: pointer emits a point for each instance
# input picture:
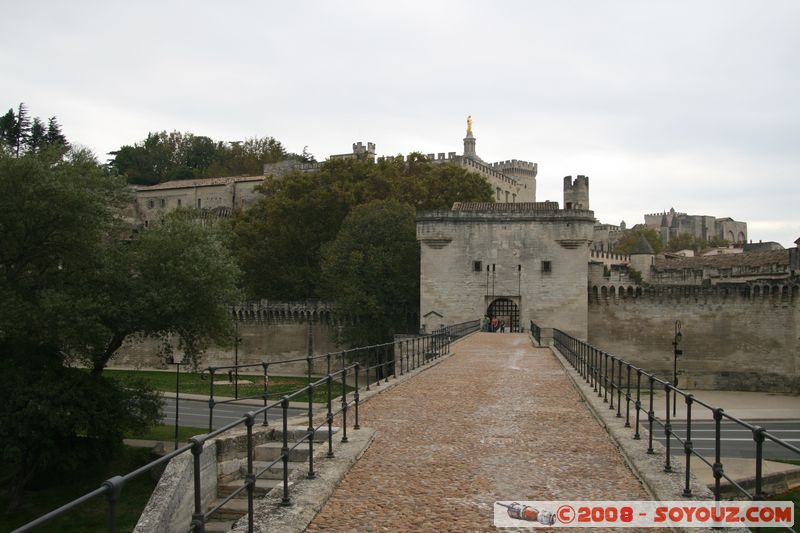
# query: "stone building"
(670, 224)
(512, 180)
(212, 196)
(517, 261)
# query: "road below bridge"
(194, 413)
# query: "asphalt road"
(736, 440)
(194, 413)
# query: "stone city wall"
(269, 332)
(734, 337)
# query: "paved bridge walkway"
(498, 420)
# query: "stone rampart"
(735, 337)
(269, 331)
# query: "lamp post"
(311, 306)
(236, 340)
(676, 351)
(177, 364)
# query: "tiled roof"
(202, 182)
(749, 259)
(490, 207)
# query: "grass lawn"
(791, 496)
(192, 383)
(43, 497)
(167, 433)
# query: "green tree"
(278, 241)
(166, 156)
(38, 137)
(687, 241)
(630, 237)
(75, 283)
(371, 270)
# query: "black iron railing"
(536, 331)
(373, 364)
(611, 376)
(377, 361)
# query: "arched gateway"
(506, 311)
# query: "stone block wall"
(734, 338)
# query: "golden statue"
(469, 126)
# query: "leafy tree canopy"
(173, 156)
(20, 134)
(278, 241)
(629, 239)
(686, 241)
(371, 270)
(75, 284)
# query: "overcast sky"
(691, 104)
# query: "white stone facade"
(532, 254)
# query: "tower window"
(163, 202)
(151, 204)
(547, 266)
(477, 266)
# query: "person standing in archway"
(495, 324)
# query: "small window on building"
(146, 223)
(477, 266)
(151, 204)
(179, 202)
(199, 203)
(163, 202)
(547, 266)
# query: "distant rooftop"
(201, 182)
(751, 259)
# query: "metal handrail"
(418, 352)
(593, 365)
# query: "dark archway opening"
(506, 311)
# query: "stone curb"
(649, 468)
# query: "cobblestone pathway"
(498, 420)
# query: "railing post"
(593, 351)
(285, 500)
(667, 430)
(266, 391)
(717, 466)
(605, 378)
(211, 372)
(638, 403)
(330, 417)
(198, 518)
(386, 365)
(612, 382)
(355, 398)
(687, 447)
(366, 368)
(328, 362)
(628, 398)
(758, 437)
(344, 405)
(619, 388)
(308, 368)
(651, 415)
(311, 432)
(250, 478)
(114, 486)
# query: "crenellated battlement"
(515, 164)
(599, 254)
(283, 312)
(786, 293)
